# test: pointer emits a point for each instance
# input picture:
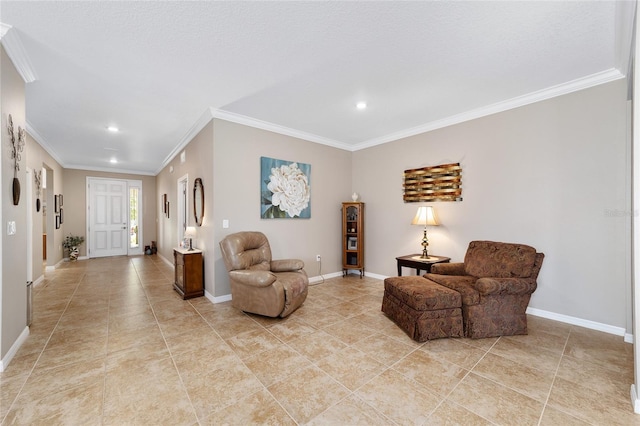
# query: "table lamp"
(190, 233)
(425, 216)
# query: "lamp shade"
(190, 232)
(425, 216)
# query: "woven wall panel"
(436, 183)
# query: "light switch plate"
(225, 223)
(11, 228)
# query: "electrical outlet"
(318, 258)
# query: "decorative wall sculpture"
(435, 183)
(17, 145)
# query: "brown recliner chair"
(273, 288)
(495, 281)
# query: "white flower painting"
(285, 189)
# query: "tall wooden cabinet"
(189, 273)
(352, 237)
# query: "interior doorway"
(114, 217)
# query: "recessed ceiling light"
(361, 105)
(113, 161)
(113, 129)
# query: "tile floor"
(112, 344)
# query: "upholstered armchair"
(496, 281)
(273, 288)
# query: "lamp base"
(425, 244)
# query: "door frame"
(129, 183)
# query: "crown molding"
(541, 95)
(287, 131)
(204, 119)
(12, 44)
(43, 143)
(625, 14)
(108, 170)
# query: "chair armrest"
(448, 268)
(253, 278)
(286, 265)
(518, 286)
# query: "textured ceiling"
(158, 69)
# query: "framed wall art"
(285, 189)
(436, 183)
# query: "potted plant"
(71, 243)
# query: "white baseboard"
(165, 260)
(38, 281)
(635, 402)
(219, 299)
(618, 331)
(4, 362)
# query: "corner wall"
(554, 175)
(237, 152)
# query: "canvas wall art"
(285, 189)
(436, 183)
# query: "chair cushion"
(422, 294)
(463, 284)
(500, 260)
(246, 250)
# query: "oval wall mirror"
(198, 201)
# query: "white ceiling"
(159, 70)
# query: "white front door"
(108, 217)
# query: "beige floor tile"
(525, 379)
(602, 349)
(316, 346)
(527, 354)
(213, 390)
(308, 393)
(589, 405)
(601, 380)
(449, 413)
(97, 354)
(147, 333)
(79, 351)
(259, 408)
(351, 367)
(9, 388)
(289, 328)
(251, 343)
(542, 339)
(455, 351)
(44, 382)
(159, 404)
(186, 342)
(554, 417)
(495, 402)
(398, 398)
(435, 374)
(80, 405)
(385, 349)
(228, 327)
(349, 331)
(277, 364)
(350, 411)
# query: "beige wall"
(198, 164)
(554, 174)
(37, 158)
(236, 186)
(75, 195)
(13, 308)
